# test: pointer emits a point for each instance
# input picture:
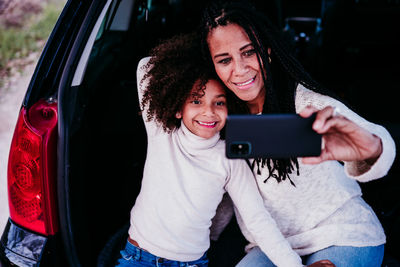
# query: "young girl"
(186, 172)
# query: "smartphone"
(271, 136)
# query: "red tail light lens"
(32, 169)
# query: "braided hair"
(283, 70)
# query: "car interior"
(350, 46)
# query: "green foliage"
(19, 42)
(43, 27)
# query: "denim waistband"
(142, 255)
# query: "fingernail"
(317, 125)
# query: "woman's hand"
(322, 263)
(343, 139)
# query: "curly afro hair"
(176, 64)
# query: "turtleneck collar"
(192, 142)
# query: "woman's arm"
(343, 139)
(367, 149)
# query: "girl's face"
(205, 116)
(235, 61)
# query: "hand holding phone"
(271, 136)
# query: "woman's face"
(235, 61)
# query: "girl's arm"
(243, 190)
(152, 128)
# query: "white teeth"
(245, 83)
(207, 123)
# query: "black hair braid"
(293, 67)
(271, 103)
(287, 71)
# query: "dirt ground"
(11, 96)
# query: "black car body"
(79, 146)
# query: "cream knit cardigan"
(325, 207)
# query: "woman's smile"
(246, 84)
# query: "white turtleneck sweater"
(325, 208)
(184, 179)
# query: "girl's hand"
(322, 263)
(343, 140)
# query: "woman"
(318, 207)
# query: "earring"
(178, 115)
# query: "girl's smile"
(207, 124)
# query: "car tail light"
(32, 169)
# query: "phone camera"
(240, 148)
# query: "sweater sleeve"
(140, 72)
(359, 170)
(152, 128)
(243, 190)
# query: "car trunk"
(102, 144)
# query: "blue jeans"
(341, 256)
(134, 256)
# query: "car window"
(121, 20)
(116, 16)
(95, 35)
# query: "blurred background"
(24, 28)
